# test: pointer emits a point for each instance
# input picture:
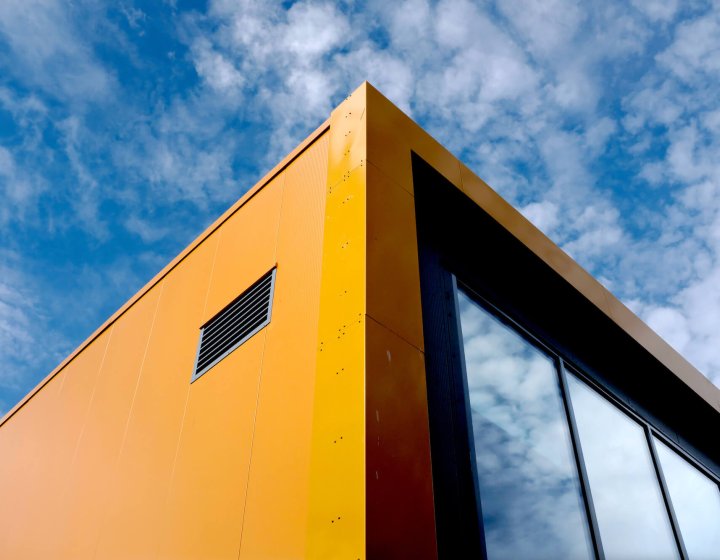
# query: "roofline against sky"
(269, 176)
(500, 210)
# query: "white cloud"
(529, 94)
(543, 214)
(133, 15)
(47, 50)
(23, 323)
(672, 326)
(146, 229)
(657, 10)
(313, 30)
(219, 72)
(694, 52)
(19, 190)
(672, 114)
(547, 26)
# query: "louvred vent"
(241, 319)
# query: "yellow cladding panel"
(203, 517)
(311, 439)
(25, 484)
(275, 519)
(136, 506)
(207, 498)
(400, 504)
(247, 247)
(57, 460)
(336, 524)
(100, 442)
(347, 148)
(392, 135)
(119, 456)
(393, 276)
(37, 445)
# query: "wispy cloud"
(43, 49)
(27, 339)
(674, 115)
(124, 129)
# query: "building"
(369, 355)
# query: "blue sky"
(127, 127)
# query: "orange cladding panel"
(247, 247)
(336, 508)
(118, 455)
(38, 447)
(138, 492)
(400, 512)
(25, 482)
(392, 136)
(204, 511)
(400, 504)
(206, 503)
(275, 519)
(78, 380)
(393, 275)
(99, 445)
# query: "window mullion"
(665, 493)
(582, 473)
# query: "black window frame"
(457, 501)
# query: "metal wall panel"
(247, 247)
(98, 448)
(400, 514)
(22, 461)
(204, 513)
(400, 506)
(118, 455)
(58, 459)
(275, 521)
(136, 508)
(311, 439)
(393, 277)
(207, 497)
(336, 525)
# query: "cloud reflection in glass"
(529, 490)
(696, 501)
(630, 510)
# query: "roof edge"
(269, 176)
(398, 128)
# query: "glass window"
(628, 502)
(528, 484)
(696, 501)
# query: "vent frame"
(225, 317)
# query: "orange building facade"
(317, 437)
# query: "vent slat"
(231, 322)
(237, 322)
(227, 339)
(259, 288)
(222, 351)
